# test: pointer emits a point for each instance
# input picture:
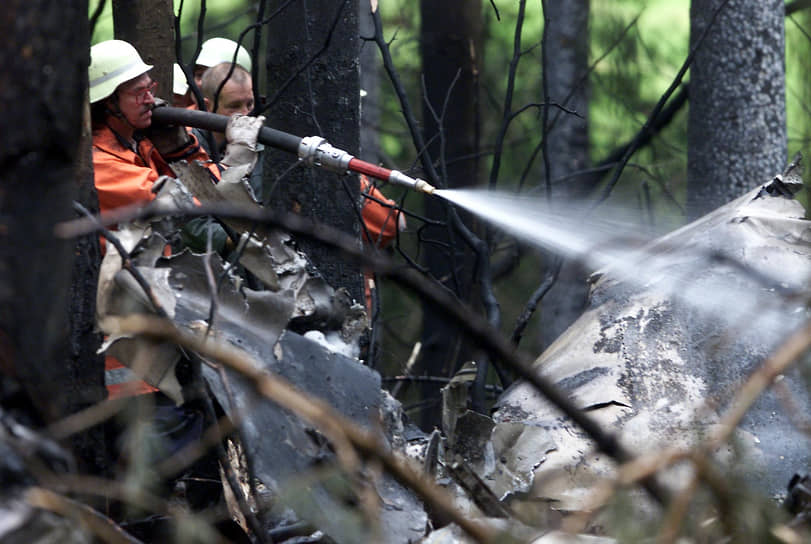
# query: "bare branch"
(101, 526)
(506, 116)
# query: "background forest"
(579, 115)
(631, 50)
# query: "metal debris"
(659, 366)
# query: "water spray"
(312, 150)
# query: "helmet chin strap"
(114, 110)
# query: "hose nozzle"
(398, 178)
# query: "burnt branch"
(506, 115)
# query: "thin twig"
(545, 110)
(506, 115)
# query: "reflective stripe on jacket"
(121, 381)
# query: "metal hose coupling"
(316, 151)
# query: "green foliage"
(226, 18)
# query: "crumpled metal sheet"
(318, 305)
(299, 299)
(282, 449)
(659, 362)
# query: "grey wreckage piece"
(658, 362)
(289, 460)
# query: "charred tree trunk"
(149, 26)
(316, 46)
(737, 122)
(450, 38)
(82, 357)
(44, 84)
(370, 88)
(567, 145)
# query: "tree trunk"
(44, 83)
(81, 356)
(567, 144)
(450, 39)
(322, 100)
(149, 26)
(737, 122)
(370, 86)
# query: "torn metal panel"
(282, 449)
(288, 458)
(658, 358)
(181, 286)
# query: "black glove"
(168, 139)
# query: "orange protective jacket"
(124, 176)
(381, 225)
(381, 222)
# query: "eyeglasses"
(140, 94)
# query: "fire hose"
(312, 150)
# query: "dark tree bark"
(317, 44)
(567, 146)
(737, 121)
(81, 356)
(149, 26)
(450, 37)
(370, 85)
(43, 88)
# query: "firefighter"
(181, 98)
(126, 161)
(217, 50)
(213, 51)
(381, 221)
(129, 155)
(235, 96)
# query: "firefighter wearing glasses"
(128, 155)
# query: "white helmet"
(179, 84)
(217, 50)
(112, 63)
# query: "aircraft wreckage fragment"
(666, 342)
(277, 326)
(659, 354)
(656, 362)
